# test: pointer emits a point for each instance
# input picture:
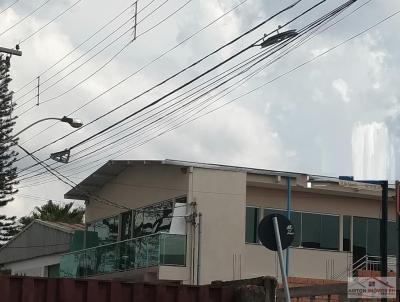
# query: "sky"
(336, 115)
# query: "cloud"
(295, 123)
(342, 88)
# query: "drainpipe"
(288, 214)
(199, 248)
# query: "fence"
(326, 293)
(29, 289)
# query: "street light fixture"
(74, 123)
(279, 37)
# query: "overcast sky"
(338, 115)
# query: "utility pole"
(11, 51)
(398, 241)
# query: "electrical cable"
(8, 7)
(51, 21)
(24, 18)
(108, 61)
(85, 62)
(114, 56)
(187, 83)
(74, 49)
(305, 62)
(176, 74)
(71, 183)
(142, 68)
(85, 53)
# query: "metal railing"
(367, 262)
(147, 251)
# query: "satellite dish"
(266, 232)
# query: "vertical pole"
(135, 25)
(199, 248)
(288, 214)
(398, 241)
(280, 255)
(383, 230)
(38, 91)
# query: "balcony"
(137, 253)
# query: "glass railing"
(152, 250)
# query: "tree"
(9, 227)
(56, 213)
(8, 172)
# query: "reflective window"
(104, 231)
(126, 225)
(373, 235)
(153, 219)
(252, 217)
(347, 233)
(329, 232)
(311, 230)
(359, 237)
(392, 238)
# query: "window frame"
(260, 216)
(258, 221)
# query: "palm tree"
(56, 213)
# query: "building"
(195, 223)
(37, 249)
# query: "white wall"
(36, 267)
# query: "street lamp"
(74, 123)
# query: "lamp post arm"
(37, 122)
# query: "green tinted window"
(252, 216)
(347, 233)
(373, 235)
(329, 232)
(360, 236)
(311, 230)
(392, 238)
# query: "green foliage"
(9, 227)
(56, 213)
(8, 173)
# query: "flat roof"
(113, 168)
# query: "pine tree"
(9, 227)
(8, 172)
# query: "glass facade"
(347, 233)
(311, 230)
(252, 220)
(131, 224)
(366, 233)
(104, 231)
(142, 252)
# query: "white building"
(36, 250)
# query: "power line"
(8, 7)
(51, 21)
(302, 64)
(114, 56)
(175, 75)
(71, 183)
(290, 21)
(24, 18)
(306, 27)
(187, 83)
(75, 48)
(88, 60)
(144, 66)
